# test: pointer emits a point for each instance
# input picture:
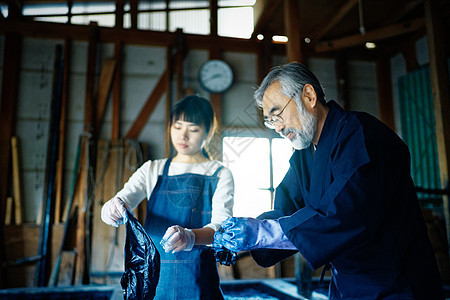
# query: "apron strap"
(166, 166)
(322, 274)
(217, 171)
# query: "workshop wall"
(142, 68)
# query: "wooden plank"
(80, 233)
(65, 276)
(89, 115)
(104, 88)
(439, 84)
(373, 35)
(332, 19)
(384, 87)
(62, 131)
(17, 182)
(292, 28)
(148, 108)
(8, 214)
(115, 134)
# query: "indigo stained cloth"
(142, 263)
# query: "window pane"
(44, 9)
(248, 160)
(191, 21)
(102, 20)
(281, 152)
(188, 4)
(84, 7)
(152, 21)
(235, 22)
(236, 3)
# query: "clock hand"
(213, 76)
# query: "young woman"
(189, 196)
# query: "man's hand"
(240, 234)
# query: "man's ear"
(309, 95)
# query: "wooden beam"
(292, 27)
(439, 86)
(264, 10)
(148, 108)
(385, 100)
(332, 19)
(373, 35)
(127, 36)
(104, 88)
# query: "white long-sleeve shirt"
(141, 184)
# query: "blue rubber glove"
(240, 234)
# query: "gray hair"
(292, 78)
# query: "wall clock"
(215, 76)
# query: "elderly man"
(347, 200)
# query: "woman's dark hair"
(194, 109)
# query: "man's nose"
(279, 127)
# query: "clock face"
(215, 76)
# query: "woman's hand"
(178, 239)
(114, 212)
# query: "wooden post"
(439, 86)
(168, 107)
(385, 101)
(292, 27)
(9, 94)
(342, 80)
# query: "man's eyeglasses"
(276, 119)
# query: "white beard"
(303, 137)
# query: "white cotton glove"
(178, 239)
(114, 212)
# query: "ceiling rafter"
(373, 35)
(331, 20)
(265, 10)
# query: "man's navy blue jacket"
(352, 203)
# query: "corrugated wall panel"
(418, 128)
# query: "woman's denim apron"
(184, 200)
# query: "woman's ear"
(309, 95)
